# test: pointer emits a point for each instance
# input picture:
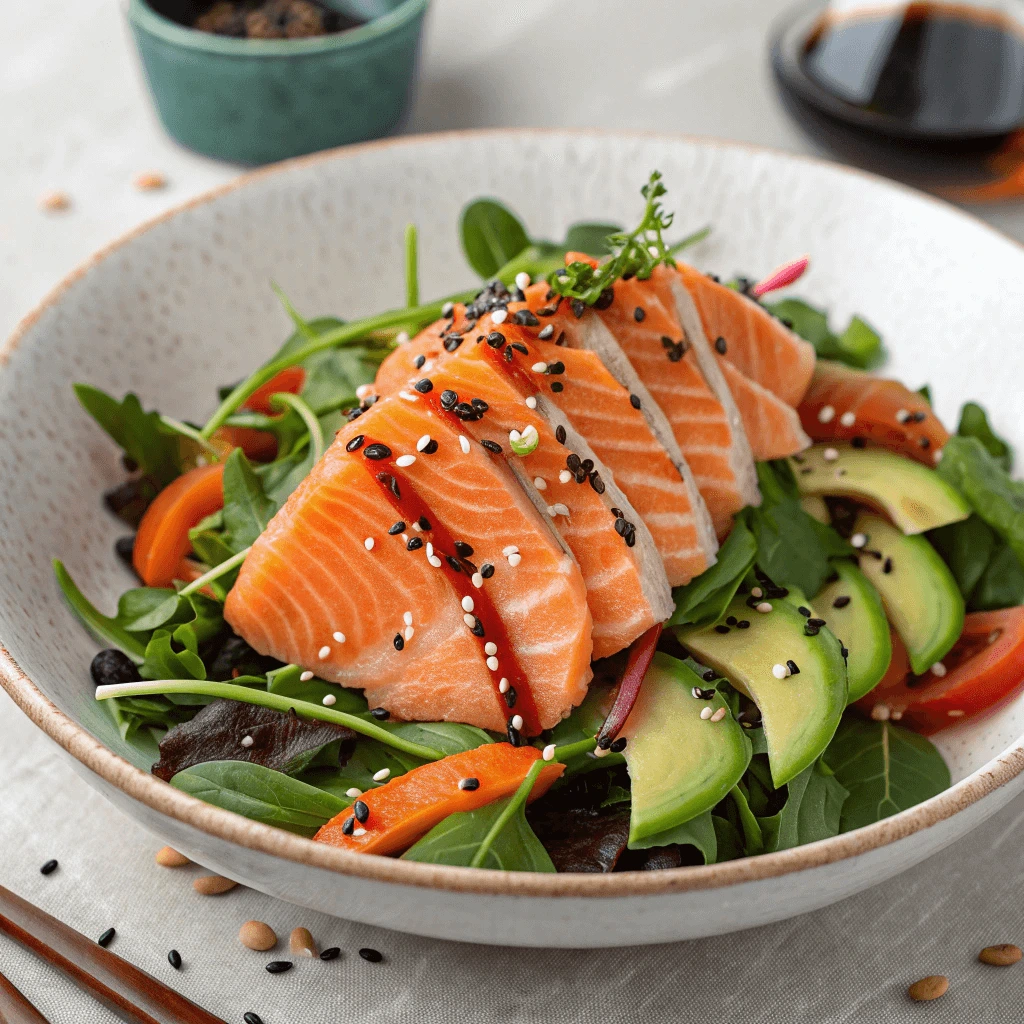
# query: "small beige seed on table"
(301, 943)
(257, 935)
(55, 201)
(1005, 954)
(932, 987)
(213, 885)
(168, 858)
(150, 181)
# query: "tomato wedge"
(162, 541)
(985, 666)
(292, 380)
(843, 403)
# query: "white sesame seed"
(847, 419)
(422, 442)
(429, 549)
(381, 775)
(540, 483)
(826, 414)
(405, 460)
(409, 396)
(546, 332)
(247, 741)
(329, 700)
(434, 561)
(339, 637)
(938, 669)
(881, 712)
(719, 715)
(830, 454)
(522, 280)
(517, 722)
(706, 713)
(540, 367)
(447, 309)
(467, 604)
(756, 592)
(402, 338)
(353, 792)
(558, 509)
(509, 549)
(514, 435)
(359, 831)
(529, 431)
(600, 752)
(515, 559)
(780, 671)
(503, 685)
(407, 618)
(499, 316)
(469, 620)
(368, 543)
(324, 653)
(938, 456)
(492, 664)
(764, 607)
(902, 416)
(477, 580)
(956, 713)
(896, 715)
(417, 527)
(364, 390)
(531, 402)
(549, 752)
(490, 647)
(409, 632)
(858, 540)
(306, 676)
(464, 444)
(564, 477)
(405, 538)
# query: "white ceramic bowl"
(184, 304)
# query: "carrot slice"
(410, 805)
(162, 540)
(291, 380)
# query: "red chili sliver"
(640, 656)
(290, 380)
(784, 276)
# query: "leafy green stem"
(520, 797)
(570, 750)
(690, 240)
(215, 573)
(316, 435)
(190, 432)
(412, 278)
(277, 702)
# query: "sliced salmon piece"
(627, 589)
(311, 574)
(772, 427)
(758, 344)
(843, 403)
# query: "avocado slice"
(680, 765)
(913, 496)
(800, 712)
(919, 593)
(853, 608)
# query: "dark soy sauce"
(929, 92)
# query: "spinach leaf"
(974, 423)
(1001, 585)
(491, 236)
(247, 509)
(885, 769)
(968, 466)
(729, 840)
(457, 839)
(988, 573)
(812, 811)
(793, 548)
(448, 737)
(698, 832)
(859, 345)
(163, 661)
(367, 759)
(260, 794)
(590, 238)
(287, 682)
(144, 609)
(140, 434)
(704, 599)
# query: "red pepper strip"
(640, 656)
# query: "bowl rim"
(144, 18)
(264, 839)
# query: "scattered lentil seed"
(174, 959)
(213, 885)
(55, 201)
(48, 868)
(1003, 955)
(168, 858)
(279, 966)
(257, 935)
(932, 987)
(107, 937)
(372, 956)
(300, 943)
(331, 953)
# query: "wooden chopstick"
(129, 992)
(15, 1008)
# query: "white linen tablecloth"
(76, 117)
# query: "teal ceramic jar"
(254, 100)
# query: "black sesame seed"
(510, 696)
(859, 442)
(424, 523)
(373, 956)
(525, 318)
(111, 667)
(573, 462)
(556, 367)
(361, 812)
(618, 746)
(419, 361)
(841, 602)
(560, 340)
(887, 568)
(630, 537)
(805, 612)
(596, 482)
(709, 676)
(844, 652)
(495, 340)
(355, 444)
(453, 563)
(478, 627)
(469, 784)
(720, 346)
(919, 417)
(509, 354)
(731, 621)
(487, 570)
(174, 959)
(558, 387)
(430, 448)
(605, 299)
(390, 483)
(701, 694)
(621, 526)
(634, 400)
(399, 642)
(463, 550)
(252, 1018)
(811, 631)
(465, 411)
(578, 307)
(638, 315)
(348, 826)
(381, 714)
(107, 937)
(513, 735)
(124, 548)
(448, 399)
(452, 342)
(480, 405)
(395, 528)
(924, 442)
(491, 446)
(794, 669)
(377, 452)
(818, 623)
(415, 543)
(617, 512)
(743, 624)
(560, 434)
(722, 629)
(667, 342)
(331, 953)
(279, 966)
(48, 868)
(425, 386)
(370, 400)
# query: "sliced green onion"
(215, 573)
(526, 442)
(285, 399)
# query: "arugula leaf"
(968, 466)
(260, 794)
(885, 769)
(492, 236)
(590, 238)
(247, 509)
(812, 811)
(164, 662)
(105, 629)
(698, 832)
(704, 599)
(139, 433)
(859, 345)
(974, 423)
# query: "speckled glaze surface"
(253, 101)
(184, 305)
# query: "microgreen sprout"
(526, 442)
